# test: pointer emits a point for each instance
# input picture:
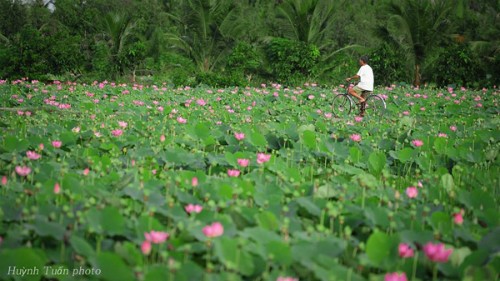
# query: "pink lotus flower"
(233, 173)
(56, 143)
(117, 132)
(86, 171)
(239, 136)
(146, 247)
(23, 171)
(405, 251)
(41, 146)
(156, 237)
(406, 113)
(201, 102)
(181, 120)
(395, 276)
(442, 135)
(419, 184)
(4, 180)
(453, 128)
(243, 162)
(412, 192)
(286, 278)
(32, 155)
(358, 119)
(190, 208)
(162, 138)
(213, 230)
(57, 188)
(417, 143)
(355, 137)
(194, 181)
(437, 252)
(122, 124)
(263, 158)
(76, 130)
(458, 218)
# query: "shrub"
(457, 65)
(244, 61)
(388, 65)
(291, 61)
(244, 56)
(176, 69)
(343, 65)
(37, 53)
(221, 79)
(100, 62)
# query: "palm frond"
(199, 34)
(119, 28)
(4, 39)
(400, 32)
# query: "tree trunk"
(416, 82)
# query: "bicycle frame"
(343, 104)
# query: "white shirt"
(365, 74)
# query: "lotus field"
(129, 182)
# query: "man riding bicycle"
(365, 76)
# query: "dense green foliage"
(389, 63)
(88, 171)
(223, 42)
(291, 60)
(454, 64)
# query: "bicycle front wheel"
(375, 107)
(341, 106)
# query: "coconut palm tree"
(199, 34)
(118, 28)
(309, 21)
(126, 47)
(485, 40)
(417, 27)
(314, 22)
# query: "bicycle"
(373, 106)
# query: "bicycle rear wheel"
(341, 106)
(375, 106)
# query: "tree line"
(248, 42)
